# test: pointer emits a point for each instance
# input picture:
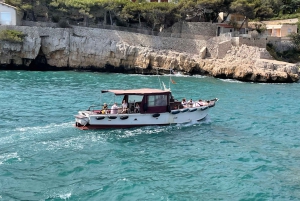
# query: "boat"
(155, 107)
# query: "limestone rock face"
(250, 64)
(98, 49)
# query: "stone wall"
(281, 44)
(190, 46)
(223, 49)
(193, 30)
(257, 42)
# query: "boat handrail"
(92, 106)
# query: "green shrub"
(12, 36)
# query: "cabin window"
(135, 98)
(157, 100)
(5, 18)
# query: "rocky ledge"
(117, 51)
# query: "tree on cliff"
(244, 7)
(124, 12)
(215, 7)
(156, 14)
(132, 12)
(30, 7)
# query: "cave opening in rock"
(40, 62)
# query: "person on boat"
(124, 106)
(201, 102)
(137, 108)
(184, 103)
(197, 104)
(190, 103)
(114, 109)
(104, 109)
(208, 103)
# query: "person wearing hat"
(104, 109)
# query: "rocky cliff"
(117, 51)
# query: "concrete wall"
(156, 42)
(6, 12)
(223, 48)
(280, 43)
(260, 42)
(193, 30)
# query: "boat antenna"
(170, 78)
(165, 88)
(158, 78)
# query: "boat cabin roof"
(137, 91)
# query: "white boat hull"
(92, 120)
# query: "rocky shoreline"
(87, 49)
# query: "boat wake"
(206, 120)
(230, 80)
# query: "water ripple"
(246, 149)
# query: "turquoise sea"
(248, 148)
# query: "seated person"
(184, 103)
(124, 106)
(199, 103)
(137, 108)
(114, 109)
(104, 109)
(190, 103)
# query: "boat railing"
(107, 111)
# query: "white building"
(8, 14)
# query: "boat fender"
(184, 110)
(156, 115)
(124, 117)
(100, 118)
(112, 117)
(175, 111)
(193, 109)
(204, 108)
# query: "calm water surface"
(248, 148)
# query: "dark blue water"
(247, 149)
